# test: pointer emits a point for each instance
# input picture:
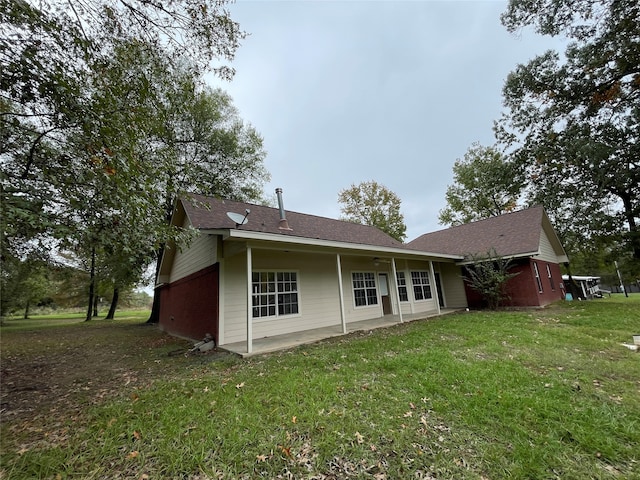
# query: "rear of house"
(279, 274)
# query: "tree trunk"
(96, 297)
(92, 281)
(634, 234)
(114, 304)
(26, 309)
(154, 317)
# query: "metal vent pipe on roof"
(283, 224)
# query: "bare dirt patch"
(58, 371)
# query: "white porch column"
(434, 288)
(221, 284)
(395, 286)
(343, 319)
(249, 304)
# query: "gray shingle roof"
(512, 234)
(211, 213)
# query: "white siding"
(361, 264)
(452, 285)
(235, 299)
(319, 304)
(407, 307)
(201, 253)
(547, 253)
(355, 314)
(420, 306)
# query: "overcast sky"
(392, 91)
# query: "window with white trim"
(402, 287)
(550, 277)
(421, 285)
(274, 294)
(364, 288)
(538, 280)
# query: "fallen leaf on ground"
(286, 451)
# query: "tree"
(370, 203)
(488, 275)
(24, 283)
(104, 120)
(52, 56)
(573, 123)
(486, 185)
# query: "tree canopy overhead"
(370, 203)
(486, 185)
(105, 118)
(573, 121)
(89, 90)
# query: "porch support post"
(395, 286)
(249, 304)
(221, 283)
(343, 319)
(434, 288)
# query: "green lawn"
(535, 394)
(57, 319)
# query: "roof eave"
(316, 242)
(506, 257)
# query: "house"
(255, 271)
(526, 237)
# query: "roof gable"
(511, 235)
(207, 213)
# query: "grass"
(546, 393)
(66, 318)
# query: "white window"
(402, 287)
(364, 288)
(538, 280)
(274, 294)
(421, 286)
(550, 277)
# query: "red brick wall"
(549, 294)
(189, 307)
(523, 288)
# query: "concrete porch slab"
(305, 337)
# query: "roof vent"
(283, 224)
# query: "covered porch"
(289, 340)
